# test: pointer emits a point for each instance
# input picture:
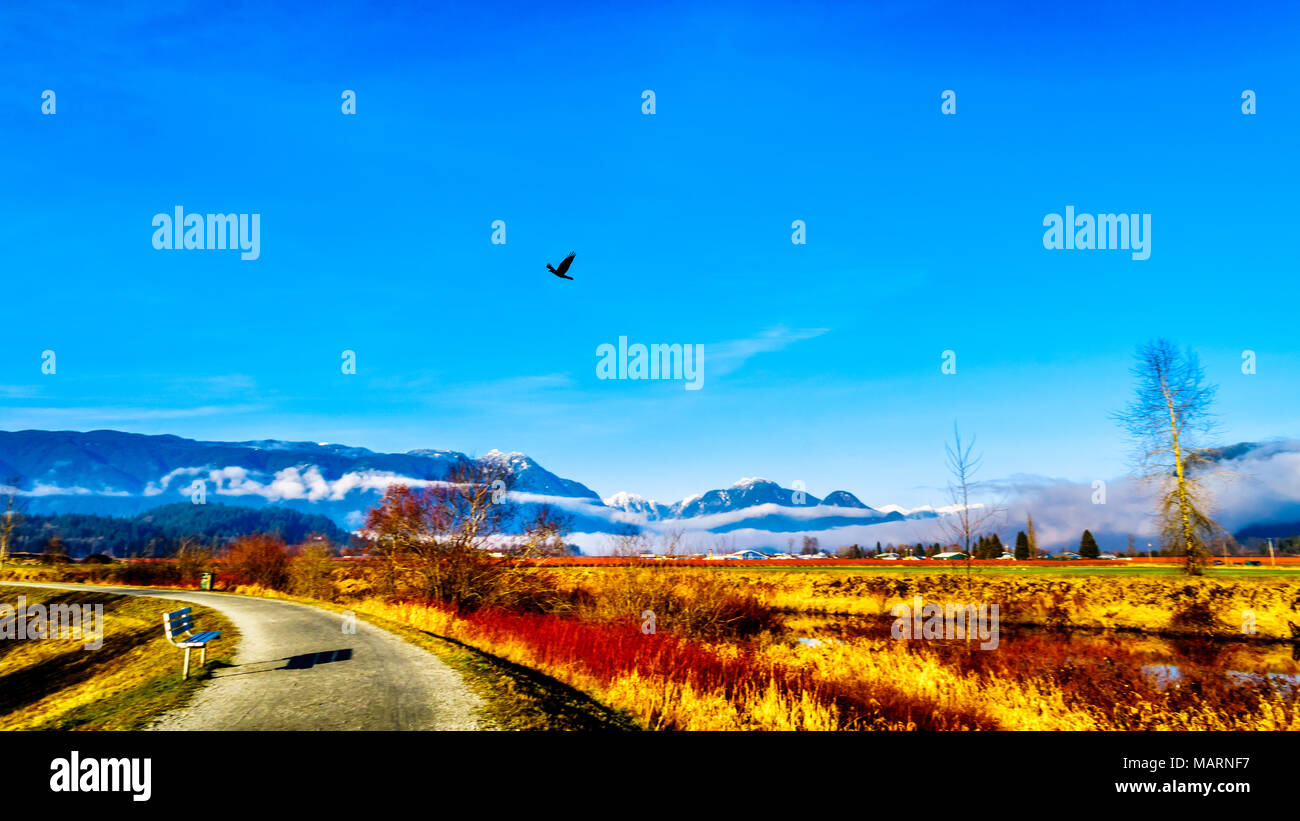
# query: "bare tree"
(12, 519)
(968, 519)
(1167, 420)
(463, 542)
(724, 545)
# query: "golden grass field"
(1153, 604)
(685, 677)
(1084, 651)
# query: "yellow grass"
(134, 676)
(1147, 603)
(910, 685)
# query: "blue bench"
(179, 627)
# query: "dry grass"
(667, 682)
(1148, 604)
(721, 657)
(134, 676)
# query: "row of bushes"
(251, 560)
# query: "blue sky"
(822, 361)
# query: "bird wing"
(564, 266)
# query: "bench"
(179, 627)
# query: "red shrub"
(257, 559)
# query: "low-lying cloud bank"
(1259, 484)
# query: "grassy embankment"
(59, 684)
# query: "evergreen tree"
(1022, 546)
(1032, 535)
(1088, 546)
(988, 546)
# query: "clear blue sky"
(822, 361)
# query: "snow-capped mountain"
(758, 503)
(114, 473)
(638, 505)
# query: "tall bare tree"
(968, 519)
(1168, 420)
(12, 518)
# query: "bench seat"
(198, 639)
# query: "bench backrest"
(177, 623)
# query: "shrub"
(191, 560)
(310, 573)
(455, 543)
(706, 605)
(260, 559)
(149, 573)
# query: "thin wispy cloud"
(89, 417)
(19, 391)
(727, 357)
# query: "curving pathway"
(296, 669)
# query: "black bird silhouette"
(564, 266)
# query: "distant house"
(958, 555)
(748, 555)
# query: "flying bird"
(564, 266)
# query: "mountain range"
(115, 473)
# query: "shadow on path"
(305, 661)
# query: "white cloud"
(726, 357)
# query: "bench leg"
(185, 672)
(203, 656)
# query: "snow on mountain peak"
(512, 456)
(623, 499)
